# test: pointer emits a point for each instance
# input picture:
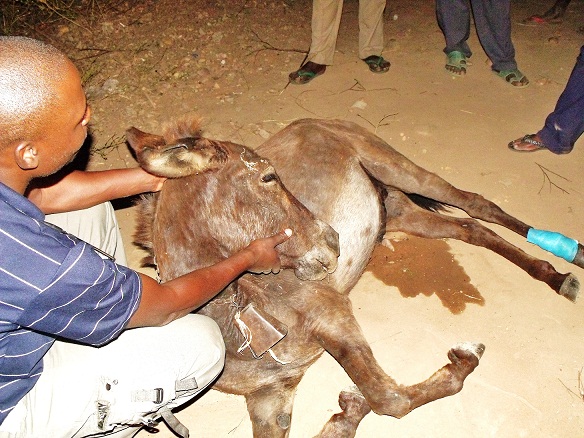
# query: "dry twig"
(546, 177)
(111, 144)
(380, 122)
(580, 393)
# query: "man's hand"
(162, 303)
(265, 258)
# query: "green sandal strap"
(306, 73)
(456, 59)
(377, 64)
(514, 77)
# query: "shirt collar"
(19, 202)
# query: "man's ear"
(26, 156)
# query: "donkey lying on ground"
(223, 195)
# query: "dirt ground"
(228, 61)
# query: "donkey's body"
(359, 185)
(355, 182)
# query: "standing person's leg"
(454, 20)
(566, 123)
(134, 380)
(552, 15)
(493, 24)
(326, 19)
(371, 34)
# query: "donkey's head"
(219, 197)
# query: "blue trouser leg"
(566, 123)
(454, 20)
(493, 24)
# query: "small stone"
(107, 27)
(263, 133)
(553, 40)
(110, 85)
(62, 30)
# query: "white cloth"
(77, 378)
(96, 225)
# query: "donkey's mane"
(183, 127)
(143, 233)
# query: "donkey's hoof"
(570, 288)
(353, 403)
(353, 389)
(579, 257)
(475, 348)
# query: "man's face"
(65, 129)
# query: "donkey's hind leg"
(404, 215)
(396, 171)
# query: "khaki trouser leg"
(370, 27)
(326, 18)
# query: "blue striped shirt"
(52, 285)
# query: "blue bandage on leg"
(556, 243)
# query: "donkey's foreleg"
(334, 326)
(344, 424)
(270, 409)
(404, 215)
(383, 395)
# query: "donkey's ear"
(139, 140)
(183, 157)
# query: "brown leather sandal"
(527, 143)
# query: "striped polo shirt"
(51, 285)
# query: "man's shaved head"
(28, 71)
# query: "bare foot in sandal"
(456, 63)
(306, 73)
(377, 64)
(514, 77)
(527, 143)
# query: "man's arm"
(163, 303)
(83, 189)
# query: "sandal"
(527, 143)
(514, 77)
(306, 73)
(377, 64)
(456, 63)
(553, 15)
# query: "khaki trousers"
(326, 18)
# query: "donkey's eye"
(269, 177)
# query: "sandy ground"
(528, 383)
